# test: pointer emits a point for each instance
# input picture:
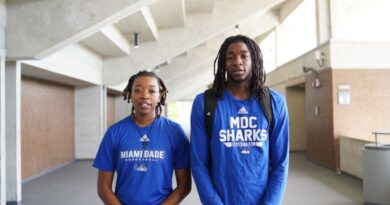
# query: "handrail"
(379, 133)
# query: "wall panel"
(47, 126)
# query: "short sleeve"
(182, 149)
(105, 156)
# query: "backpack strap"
(210, 102)
(266, 104)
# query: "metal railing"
(379, 133)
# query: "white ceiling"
(180, 38)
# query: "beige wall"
(369, 109)
(47, 126)
(110, 110)
(295, 97)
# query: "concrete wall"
(90, 120)
(351, 156)
(2, 24)
(122, 108)
(47, 126)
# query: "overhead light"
(237, 27)
(136, 40)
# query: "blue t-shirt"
(241, 163)
(144, 159)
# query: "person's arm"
(279, 154)
(183, 188)
(200, 156)
(104, 185)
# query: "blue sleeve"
(200, 155)
(105, 156)
(182, 149)
(279, 153)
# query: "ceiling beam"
(108, 42)
(200, 6)
(40, 28)
(168, 14)
(173, 42)
(149, 20)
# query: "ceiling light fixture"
(237, 27)
(136, 40)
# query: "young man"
(245, 160)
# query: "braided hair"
(162, 90)
(258, 73)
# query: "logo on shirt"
(243, 132)
(144, 139)
(242, 111)
(142, 155)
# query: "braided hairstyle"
(162, 90)
(258, 73)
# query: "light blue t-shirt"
(144, 159)
(241, 163)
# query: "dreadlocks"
(258, 73)
(162, 89)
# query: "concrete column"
(122, 108)
(2, 127)
(90, 120)
(323, 21)
(13, 138)
(2, 103)
(337, 19)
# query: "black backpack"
(210, 101)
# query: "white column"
(323, 21)
(2, 103)
(89, 120)
(2, 127)
(337, 18)
(13, 138)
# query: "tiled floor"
(308, 183)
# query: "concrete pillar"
(13, 138)
(337, 19)
(2, 103)
(122, 108)
(2, 127)
(90, 120)
(323, 21)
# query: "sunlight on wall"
(180, 112)
(267, 47)
(367, 20)
(297, 34)
(292, 38)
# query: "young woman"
(144, 149)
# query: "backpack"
(210, 102)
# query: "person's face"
(238, 63)
(145, 95)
